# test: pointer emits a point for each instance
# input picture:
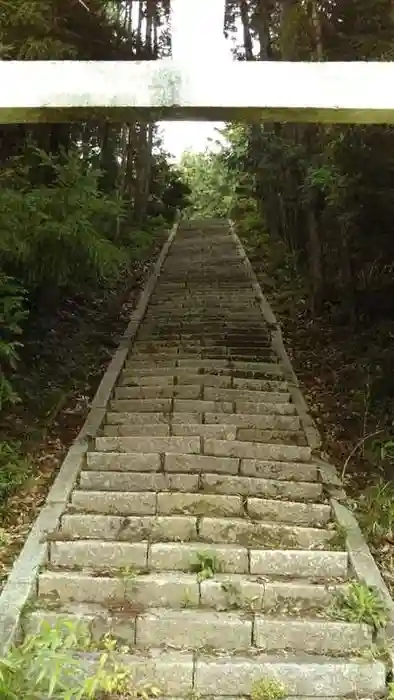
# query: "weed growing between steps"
(268, 689)
(360, 604)
(47, 665)
(206, 566)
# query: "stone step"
(287, 471)
(181, 674)
(159, 392)
(210, 447)
(126, 480)
(264, 422)
(222, 431)
(95, 484)
(142, 406)
(136, 429)
(180, 590)
(182, 528)
(246, 450)
(142, 503)
(236, 395)
(214, 335)
(188, 358)
(284, 409)
(210, 380)
(115, 418)
(301, 675)
(196, 629)
(169, 556)
(253, 420)
(312, 514)
(130, 378)
(204, 406)
(116, 461)
(225, 347)
(266, 370)
(179, 445)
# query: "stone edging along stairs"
(193, 519)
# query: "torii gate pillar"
(188, 87)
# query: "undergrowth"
(47, 665)
(14, 470)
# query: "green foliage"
(12, 315)
(212, 190)
(14, 469)
(46, 665)
(51, 233)
(376, 512)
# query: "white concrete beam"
(47, 91)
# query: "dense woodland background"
(83, 209)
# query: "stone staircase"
(199, 534)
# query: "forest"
(85, 208)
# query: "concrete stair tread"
(222, 431)
(167, 405)
(265, 370)
(178, 674)
(253, 508)
(183, 528)
(297, 472)
(113, 473)
(185, 378)
(268, 422)
(199, 391)
(185, 590)
(181, 556)
(209, 447)
(198, 628)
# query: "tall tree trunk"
(313, 134)
(248, 44)
(315, 258)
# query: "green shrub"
(12, 314)
(14, 469)
(52, 234)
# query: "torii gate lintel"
(186, 87)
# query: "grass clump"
(360, 604)
(206, 566)
(268, 689)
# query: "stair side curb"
(21, 583)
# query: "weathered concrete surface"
(343, 92)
